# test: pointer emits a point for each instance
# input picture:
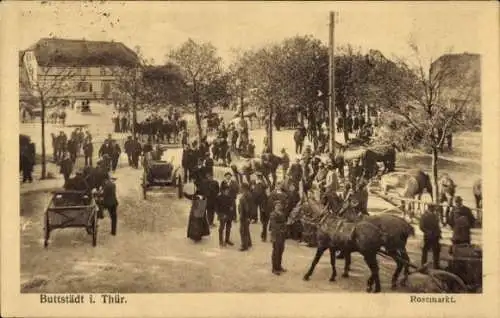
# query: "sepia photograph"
(219, 147)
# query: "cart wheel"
(448, 282)
(94, 231)
(179, 187)
(47, 232)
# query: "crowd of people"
(259, 200)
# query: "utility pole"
(331, 76)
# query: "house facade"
(462, 83)
(76, 69)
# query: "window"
(103, 71)
(84, 87)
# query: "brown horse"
(367, 235)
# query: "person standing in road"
(197, 222)
(296, 173)
(429, 225)
(115, 155)
(285, 163)
(129, 149)
(110, 202)
(461, 221)
(212, 189)
(28, 161)
(278, 235)
(245, 211)
(226, 214)
(187, 162)
(136, 153)
(233, 188)
(66, 166)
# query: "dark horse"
(365, 235)
(91, 178)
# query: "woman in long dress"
(198, 224)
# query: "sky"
(158, 27)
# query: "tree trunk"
(44, 163)
(270, 128)
(134, 119)
(198, 120)
(344, 127)
(242, 109)
(435, 175)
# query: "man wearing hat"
(429, 225)
(66, 166)
(332, 183)
(285, 161)
(232, 185)
(461, 221)
(129, 149)
(296, 172)
(212, 190)
(277, 227)
(355, 171)
(260, 199)
(110, 202)
(226, 214)
(208, 164)
(245, 210)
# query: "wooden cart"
(68, 208)
(161, 174)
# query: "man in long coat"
(462, 220)
(110, 202)
(278, 236)
(226, 214)
(245, 210)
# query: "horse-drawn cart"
(69, 208)
(161, 174)
(463, 274)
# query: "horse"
(92, 178)
(411, 184)
(366, 235)
(220, 150)
(478, 193)
(387, 155)
(267, 165)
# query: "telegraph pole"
(331, 75)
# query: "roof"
(465, 66)
(67, 52)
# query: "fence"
(478, 213)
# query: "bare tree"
(202, 69)
(431, 100)
(129, 85)
(49, 85)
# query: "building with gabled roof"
(88, 68)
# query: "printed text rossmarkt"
(81, 299)
(432, 299)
